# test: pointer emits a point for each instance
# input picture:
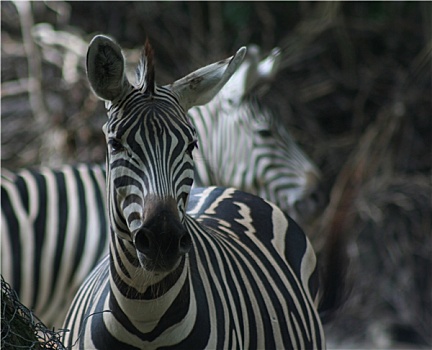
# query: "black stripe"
(23, 191)
(62, 225)
(40, 226)
(100, 199)
(82, 227)
(119, 281)
(14, 237)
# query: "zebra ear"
(262, 72)
(269, 66)
(106, 68)
(201, 86)
(252, 73)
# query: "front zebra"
(233, 273)
(55, 227)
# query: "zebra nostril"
(142, 241)
(149, 243)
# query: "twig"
(34, 63)
(15, 87)
(362, 165)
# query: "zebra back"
(50, 241)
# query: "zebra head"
(150, 143)
(249, 145)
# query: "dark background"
(355, 89)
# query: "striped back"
(50, 240)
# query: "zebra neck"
(206, 120)
(218, 160)
(141, 296)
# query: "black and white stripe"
(232, 272)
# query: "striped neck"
(218, 125)
(145, 297)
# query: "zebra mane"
(145, 74)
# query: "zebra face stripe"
(150, 164)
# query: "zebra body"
(231, 272)
(223, 298)
(232, 124)
(43, 266)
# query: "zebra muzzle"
(161, 242)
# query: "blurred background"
(354, 88)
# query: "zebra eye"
(264, 133)
(191, 147)
(115, 146)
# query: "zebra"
(263, 158)
(56, 214)
(215, 268)
(54, 232)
